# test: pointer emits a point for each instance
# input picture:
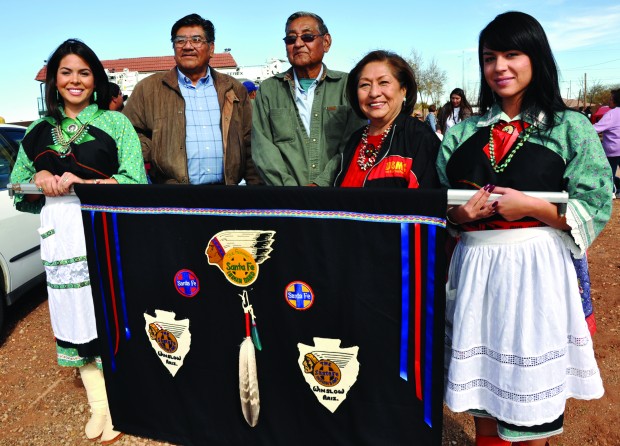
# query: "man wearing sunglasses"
(302, 119)
(194, 123)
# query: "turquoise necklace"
(524, 136)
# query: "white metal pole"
(455, 196)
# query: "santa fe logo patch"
(329, 370)
(186, 283)
(169, 337)
(299, 295)
(238, 253)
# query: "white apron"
(517, 343)
(63, 251)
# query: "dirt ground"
(43, 404)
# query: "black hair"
(101, 92)
(300, 14)
(519, 31)
(194, 20)
(115, 89)
(615, 95)
(401, 71)
(464, 103)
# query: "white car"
(20, 258)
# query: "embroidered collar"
(504, 117)
(495, 114)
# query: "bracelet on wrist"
(448, 219)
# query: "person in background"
(251, 88)
(302, 119)
(194, 123)
(78, 142)
(431, 118)
(517, 344)
(454, 111)
(117, 98)
(609, 127)
(394, 149)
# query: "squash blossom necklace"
(368, 152)
(63, 144)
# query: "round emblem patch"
(186, 283)
(299, 295)
(240, 267)
(326, 373)
(167, 341)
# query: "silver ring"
(40, 189)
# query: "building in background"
(128, 72)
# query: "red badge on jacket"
(395, 167)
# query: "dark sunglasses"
(289, 40)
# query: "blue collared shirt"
(203, 134)
(304, 99)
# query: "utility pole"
(463, 70)
(585, 90)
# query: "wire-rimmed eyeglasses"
(195, 41)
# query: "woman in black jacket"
(393, 149)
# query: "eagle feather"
(248, 382)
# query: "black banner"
(170, 266)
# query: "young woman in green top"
(79, 141)
(517, 341)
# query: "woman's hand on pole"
(476, 208)
(46, 183)
(515, 205)
(66, 181)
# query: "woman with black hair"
(517, 343)
(457, 109)
(394, 149)
(79, 141)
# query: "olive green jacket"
(283, 152)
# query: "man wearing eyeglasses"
(302, 119)
(194, 123)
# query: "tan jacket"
(156, 109)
